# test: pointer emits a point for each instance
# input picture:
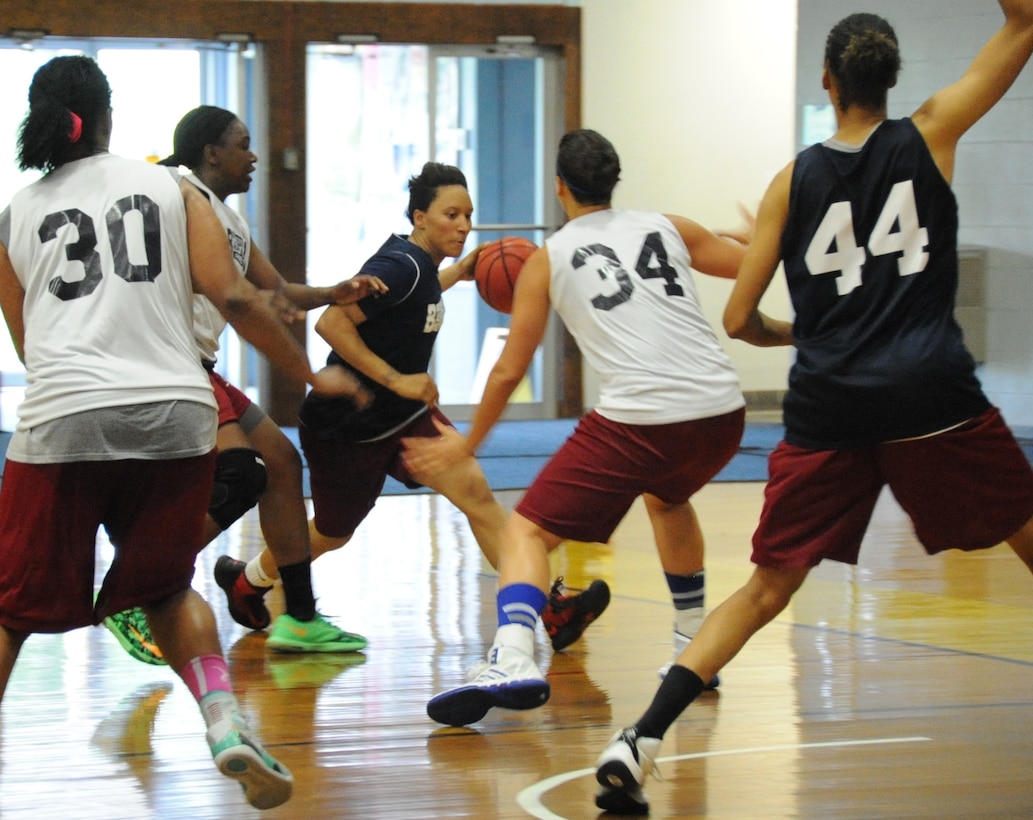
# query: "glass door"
(153, 84)
(376, 114)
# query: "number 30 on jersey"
(834, 248)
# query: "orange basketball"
(498, 266)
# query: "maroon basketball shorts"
(968, 488)
(591, 482)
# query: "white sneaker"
(680, 642)
(509, 680)
(475, 670)
(622, 769)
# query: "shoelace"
(631, 737)
(557, 600)
(475, 670)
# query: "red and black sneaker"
(566, 617)
(246, 601)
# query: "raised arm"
(949, 113)
(293, 298)
(742, 317)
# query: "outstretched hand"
(282, 306)
(334, 380)
(356, 288)
(744, 233)
(467, 266)
(425, 458)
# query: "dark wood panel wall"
(285, 29)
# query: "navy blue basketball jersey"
(870, 255)
(401, 327)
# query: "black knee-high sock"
(297, 590)
(681, 686)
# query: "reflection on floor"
(901, 687)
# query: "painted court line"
(530, 799)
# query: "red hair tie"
(76, 133)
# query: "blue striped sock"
(520, 604)
(687, 590)
(687, 595)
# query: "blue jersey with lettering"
(870, 255)
(401, 327)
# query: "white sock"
(256, 575)
(218, 706)
(688, 621)
(515, 636)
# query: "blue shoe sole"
(468, 704)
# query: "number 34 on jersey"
(834, 247)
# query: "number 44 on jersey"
(834, 247)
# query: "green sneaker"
(318, 635)
(266, 782)
(134, 633)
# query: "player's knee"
(322, 544)
(282, 457)
(474, 485)
(240, 478)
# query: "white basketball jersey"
(100, 248)
(621, 282)
(208, 322)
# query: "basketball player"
(98, 263)
(387, 342)
(256, 462)
(669, 417)
(883, 391)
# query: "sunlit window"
(150, 90)
(377, 113)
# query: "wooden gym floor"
(899, 688)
